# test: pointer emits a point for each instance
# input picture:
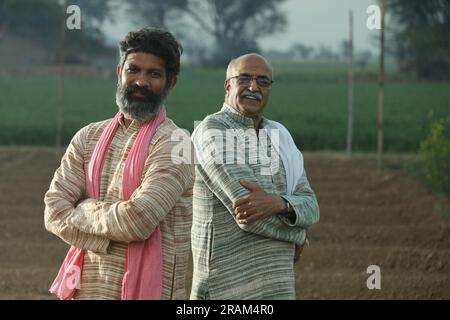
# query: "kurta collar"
(134, 125)
(240, 118)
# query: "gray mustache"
(248, 93)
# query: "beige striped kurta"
(104, 228)
(243, 261)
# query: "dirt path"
(390, 221)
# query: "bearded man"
(118, 198)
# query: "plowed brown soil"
(389, 220)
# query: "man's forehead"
(252, 64)
(143, 57)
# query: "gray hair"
(233, 62)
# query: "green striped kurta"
(243, 261)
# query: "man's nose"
(253, 85)
(142, 80)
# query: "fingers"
(249, 186)
(244, 183)
(246, 214)
(241, 201)
(250, 216)
(242, 208)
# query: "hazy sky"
(315, 22)
(311, 22)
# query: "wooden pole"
(350, 87)
(381, 94)
(60, 103)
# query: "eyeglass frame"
(251, 80)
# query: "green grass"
(313, 105)
(416, 168)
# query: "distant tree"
(94, 13)
(300, 50)
(274, 54)
(326, 53)
(6, 18)
(157, 13)
(90, 37)
(31, 18)
(344, 48)
(421, 36)
(44, 17)
(41, 22)
(362, 58)
(236, 25)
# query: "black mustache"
(148, 94)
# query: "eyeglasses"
(245, 80)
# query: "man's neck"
(256, 118)
(126, 121)
(257, 123)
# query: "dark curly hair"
(157, 42)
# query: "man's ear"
(119, 72)
(227, 85)
(171, 84)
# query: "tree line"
(418, 31)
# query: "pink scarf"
(143, 267)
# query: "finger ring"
(245, 214)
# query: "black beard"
(139, 108)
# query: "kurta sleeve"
(66, 189)
(163, 184)
(304, 203)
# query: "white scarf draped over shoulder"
(291, 157)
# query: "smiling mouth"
(252, 97)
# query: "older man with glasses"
(252, 200)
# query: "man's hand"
(257, 205)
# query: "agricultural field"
(310, 100)
(391, 220)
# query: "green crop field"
(312, 104)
